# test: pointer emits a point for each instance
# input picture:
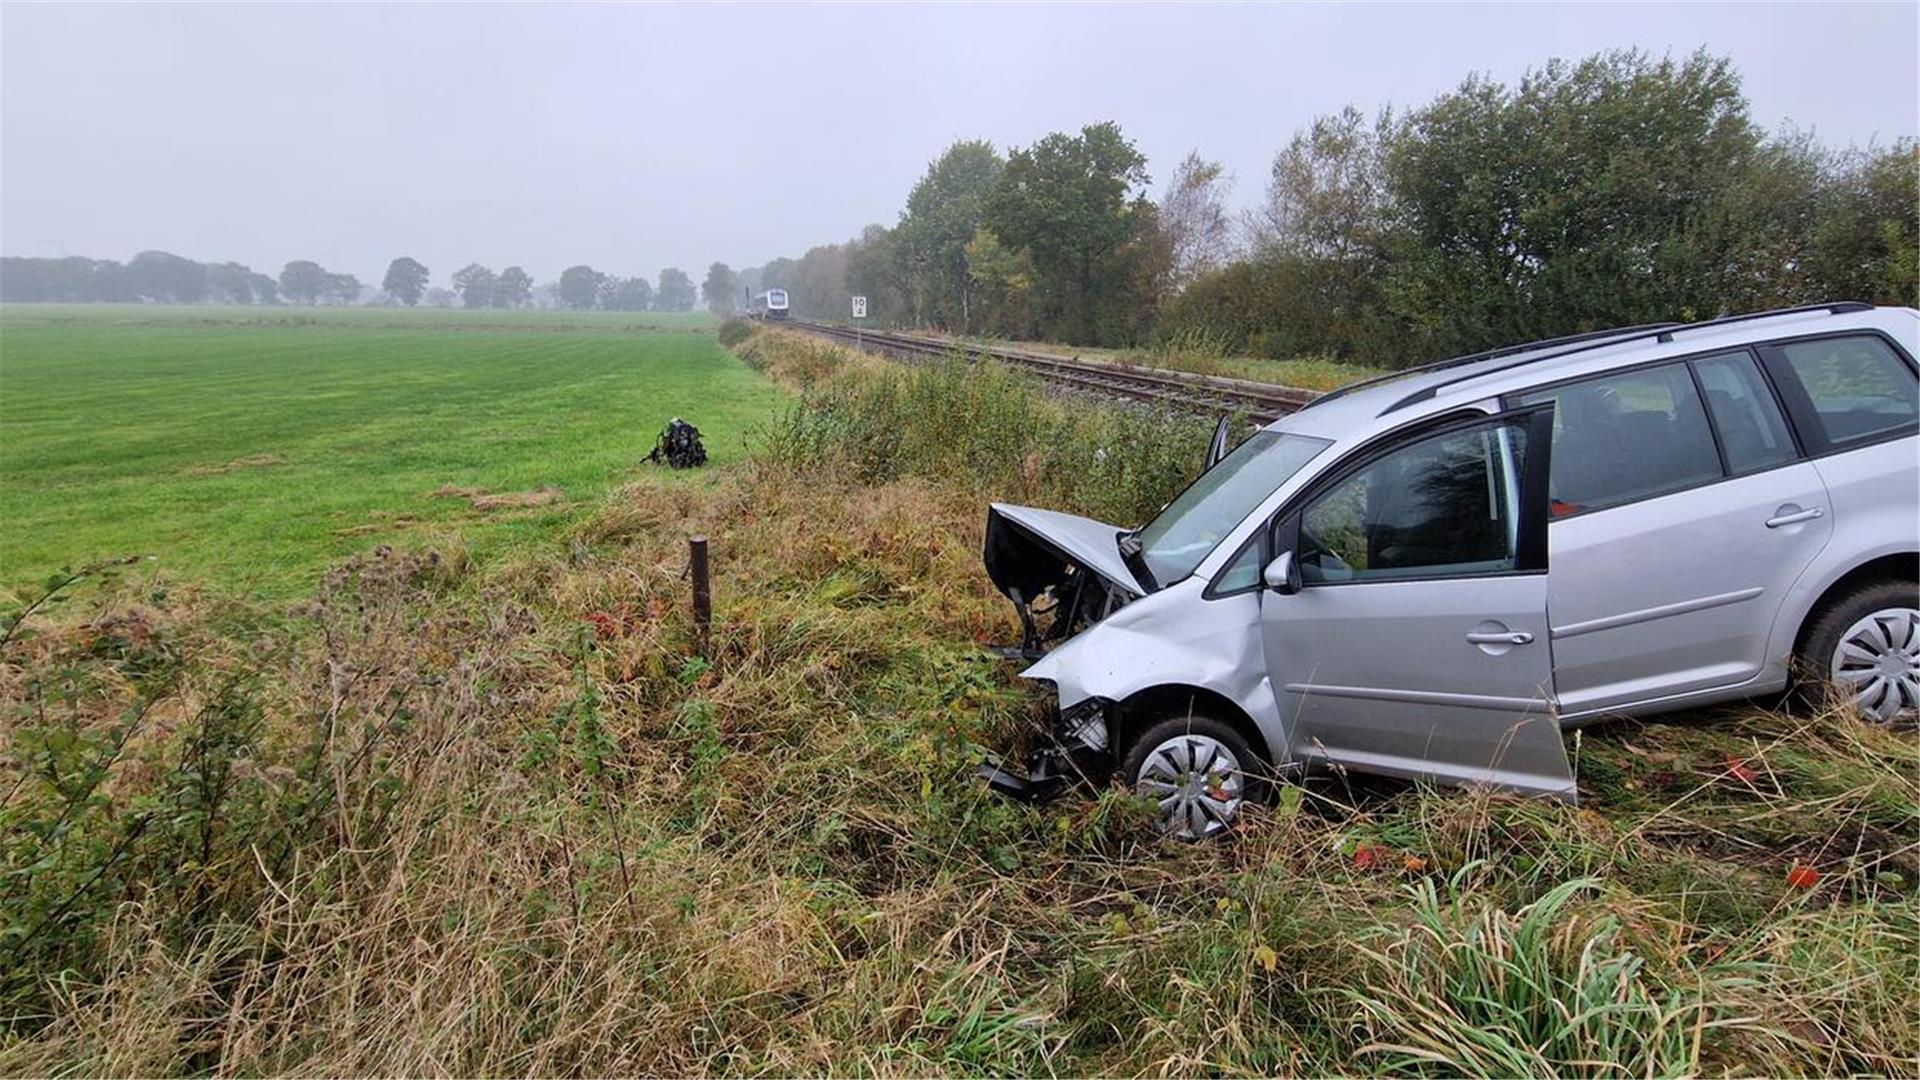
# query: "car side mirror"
(1282, 575)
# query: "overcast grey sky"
(636, 137)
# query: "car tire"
(1863, 651)
(1199, 771)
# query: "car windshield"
(1193, 524)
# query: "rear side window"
(1846, 390)
(1627, 436)
(1753, 433)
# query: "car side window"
(1626, 436)
(1753, 433)
(1851, 389)
(1445, 505)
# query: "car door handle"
(1500, 637)
(1795, 517)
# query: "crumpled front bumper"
(1078, 751)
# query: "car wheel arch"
(1143, 708)
(1901, 566)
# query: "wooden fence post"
(702, 593)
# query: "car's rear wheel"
(1867, 645)
(1199, 772)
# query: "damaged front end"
(1063, 574)
(1079, 750)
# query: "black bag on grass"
(679, 446)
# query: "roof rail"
(1474, 358)
(1663, 332)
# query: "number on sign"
(859, 307)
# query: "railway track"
(1261, 402)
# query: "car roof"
(1362, 408)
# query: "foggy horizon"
(637, 138)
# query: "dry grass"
(447, 818)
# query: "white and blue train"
(771, 304)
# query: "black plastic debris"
(680, 446)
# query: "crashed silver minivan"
(1435, 574)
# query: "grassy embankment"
(496, 816)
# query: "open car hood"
(1028, 550)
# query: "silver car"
(1436, 574)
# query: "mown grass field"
(502, 814)
(256, 445)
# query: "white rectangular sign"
(859, 307)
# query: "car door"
(1411, 637)
(1674, 537)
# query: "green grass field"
(256, 445)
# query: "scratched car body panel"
(1435, 575)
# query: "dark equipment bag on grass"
(679, 446)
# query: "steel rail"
(1262, 402)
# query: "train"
(771, 304)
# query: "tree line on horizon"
(1610, 191)
(163, 277)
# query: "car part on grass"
(679, 446)
(1078, 750)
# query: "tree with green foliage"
(1003, 280)
(820, 286)
(164, 277)
(71, 279)
(475, 284)
(265, 289)
(872, 261)
(675, 292)
(513, 288)
(1866, 231)
(1074, 202)
(406, 280)
(341, 289)
(944, 211)
(626, 294)
(1320, 254)
(1326, 196)
(231, 283)
(721, 289)
(580, 287)
(1586, 196)
(302, 281)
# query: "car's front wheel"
(1199, 772)
(1867, 645)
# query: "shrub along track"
(1260, 402)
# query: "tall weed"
(1551, 990)
(988, 428)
